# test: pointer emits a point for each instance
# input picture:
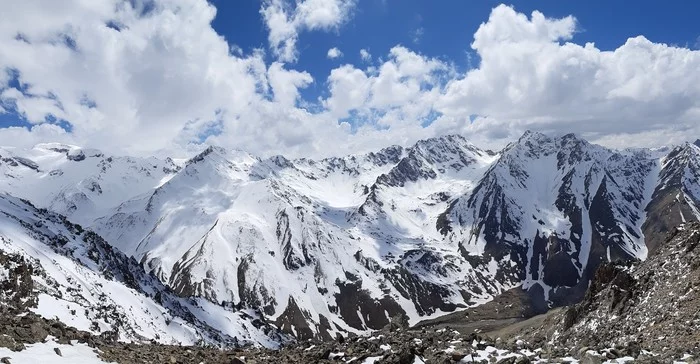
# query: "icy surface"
(75, 353)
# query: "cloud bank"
(145, 77)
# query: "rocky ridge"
(343, 245)
(651, 306)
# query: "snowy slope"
(345, 244)
(290, 237)
(551, 205)
(84, 282)
(74, 353)
(76, 182)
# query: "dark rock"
(589, 358)
(523, 360)
(510, 360)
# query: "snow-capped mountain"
(548, 206)
(76, 182)
(344, 244)
(676, 198)
(79, 278)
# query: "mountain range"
(227, 247)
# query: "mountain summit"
(346, 244)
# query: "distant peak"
(281, 161)
(203, 154)
(231, 155)
(72, 152)
(572, 138)
(530, 135)
(697, 142)
(392, 149)
(443, 139)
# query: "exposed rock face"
(52, 268)
(676, 198)
(651, 304)
(557, 208)
(16, 283)
(342, 245)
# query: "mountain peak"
(231, 155)
(450, 138)
(533, 136)
(572, 140)
(697, 142)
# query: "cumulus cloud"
(531, 77)
(120, 76)
(285, 20)
(134, 79)
(407, 82)
(285, 84)
(334, 53)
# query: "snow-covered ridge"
(343, 244)
(87, 284)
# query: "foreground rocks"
(650, 306)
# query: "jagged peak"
(443, 139)
(231, 155)
(392, 149)
(684, 149)
(534, 139)
(530, 135)
(528, 142)
(572, 138)
(437, 148)
(280, 161)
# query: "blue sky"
(255, 74)
(447, 27)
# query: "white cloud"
(334, 53)
(166, 80)
(151, 84)
(285, 21)
(26, 138)
(530, 77)
(365, 55)
(406, 82)
(286, 83)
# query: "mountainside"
(57, 269)
(676, 198)
(346, 244)
(652, 305)
(77, 182)
(556, 207)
